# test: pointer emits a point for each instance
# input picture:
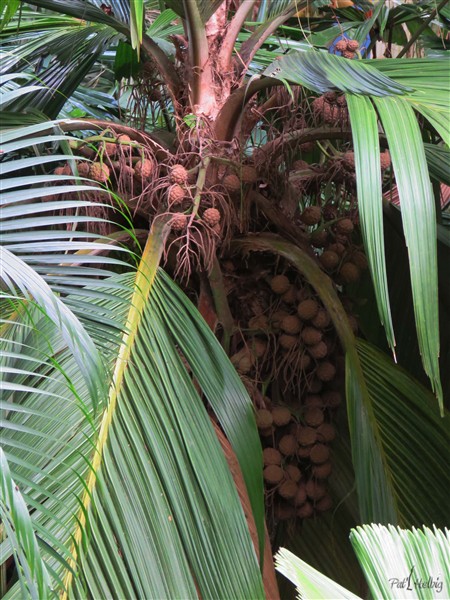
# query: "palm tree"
(184, 130)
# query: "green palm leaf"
(368, 180)
(157, 472)
(419, 225)
(19, 529)
(404, 563)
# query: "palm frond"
(309, 582)
(404, 563)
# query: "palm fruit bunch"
(331, 108)
(347, 48)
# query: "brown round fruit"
(344, 226)
(318, 238)
(313, 416)
(322, 319)
(348, 54)
(314, 401)
(271, 456)
(263, 418)
(305, 511)
(349, 272)
(179, 221)
(311, 215)
(300, 496)
(324, 504)
(322, 471)
(311, 336)
(326, 432)
(332, 398)
(144, 168)
(211, 216)
(291, 324)
(284, 511)
(288, 489)
(280, 284)
(307, 309)
(326, 371)
(352, 45)
(83, 169)
(281, 415)
(360, 260)
(290, 296)
(304, 362)
(319, 454)
(315, 490)
(248, 174)
(273, 474)
(306, 436)
(259, 322)
(99, 172)
(293, 473)
(304, 451)
(287, 342)
(178, 174)
(258, 347)
(232, 183)
(341, 45)
(319, 350)
(329, 260)
(287, 445)
(175, 195)
(338, 248)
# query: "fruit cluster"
(297, 455)
(347, 48)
